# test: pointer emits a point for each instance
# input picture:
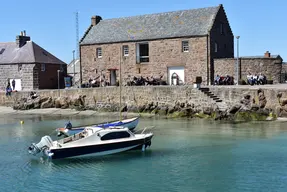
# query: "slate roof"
(194, 22)
(29, 53)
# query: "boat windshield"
(115, 135)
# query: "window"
(43, 67)
(142, 52)
(99, 52)
(215, 47)
(221, 28)
(185, 47)
(62, 68)
(19, 67)
(2, 51)
(115, 135)
(126, 50)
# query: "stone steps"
(220, 104)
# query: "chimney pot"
(22, 40)
(24, 33)
(267, 54)
(21, 33)
(95, 20)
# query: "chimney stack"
(267, 54)
(95, 20)
(22, 39)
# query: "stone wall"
(270, 67)
(162, 54)
(233, 95)
(136, 96)
(17, 71)
(163, 95)
(32, 78)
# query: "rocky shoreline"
(248, 109)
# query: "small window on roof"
(2, 51)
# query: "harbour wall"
(162, 95)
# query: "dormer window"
(2, 51)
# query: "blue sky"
(51, 24)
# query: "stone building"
(185, 42)
(267, 64)
(31, 66)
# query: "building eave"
(142, 40)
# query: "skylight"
(2, 50)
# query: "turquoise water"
(193, 155)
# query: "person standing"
(13, 84)
(8, 90)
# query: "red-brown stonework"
(199, 61)
(162, 54)
(270, 67)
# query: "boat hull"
(100, 149)
(131, 125)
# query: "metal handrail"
(146, 128)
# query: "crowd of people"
(224, 80)
(141, 81)
(129, 81)
(256, 79)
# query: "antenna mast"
(77, 35)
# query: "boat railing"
(148, 128)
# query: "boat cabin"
(103, 134)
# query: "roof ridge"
(159, 13)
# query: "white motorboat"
(92, 141)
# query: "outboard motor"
(45, 143)
(68, 125)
